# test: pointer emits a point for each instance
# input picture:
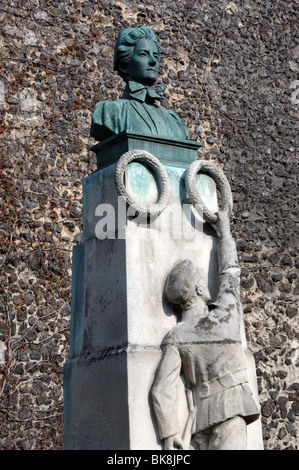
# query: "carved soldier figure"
(206, 349)
(137, 60)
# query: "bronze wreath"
(209, 168)
(160, 173)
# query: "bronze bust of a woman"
(137, 60)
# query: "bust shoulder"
(106, 107)
(105, 119)
(112, 117)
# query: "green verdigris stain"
(141, 183)
(207, 190)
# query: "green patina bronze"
(141, 183)
(173, 152)
(137, 61)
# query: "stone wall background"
(231, 73)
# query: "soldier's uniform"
(208, 351)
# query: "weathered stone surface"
(113, 269)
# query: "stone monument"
(206, 347)
(148, 208)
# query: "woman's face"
(144, 63)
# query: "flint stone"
(30, 38)
(268, 407)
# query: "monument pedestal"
(119, 315)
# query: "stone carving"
(205, 347)
(137, 60)
(161, 176)
(221, 181)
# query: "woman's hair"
(125, 44)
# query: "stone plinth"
(119, 315)
(170, 152)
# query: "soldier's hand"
(222, 225)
